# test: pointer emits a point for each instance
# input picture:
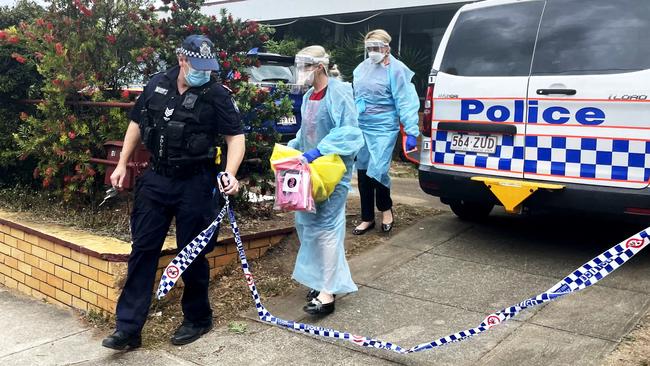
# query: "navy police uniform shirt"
(222, 113)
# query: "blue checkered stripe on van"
(588, 157)
(579, 157)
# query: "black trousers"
(369, 189)
(158, 199)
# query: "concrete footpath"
(441, 276)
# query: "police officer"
(178, 117)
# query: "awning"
(269, 10)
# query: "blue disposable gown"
(383, 94)
(331, 126)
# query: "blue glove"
(411, 142)
(312, 155)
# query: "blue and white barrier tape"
(583, 277)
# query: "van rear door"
(478, 122)
(589, 114)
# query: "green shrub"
(287, 47)
(347, 55)
(17, 81)
(23, 11)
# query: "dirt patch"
(229, 294)
(634, 349)
(404, 215)
(403, 169)
(41, 207)
(112, 219)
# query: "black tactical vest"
(177, 137)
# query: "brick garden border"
(71, 275)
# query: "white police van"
(541, 104)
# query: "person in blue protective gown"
(329, 126)
(385, 97)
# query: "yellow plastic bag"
(326, 171)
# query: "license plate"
(474, 143)
(287, 120)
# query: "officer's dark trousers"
(369, 189)
(157, 200)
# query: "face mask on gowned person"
(305, 77)
(375, 57)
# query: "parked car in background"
(272, 69)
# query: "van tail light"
(428, 112)
(637, 211)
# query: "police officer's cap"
(200, 52)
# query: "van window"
(594, 37)
(493, 41)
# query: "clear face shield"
(306, 67)
(376, 50)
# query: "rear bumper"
(575, 197)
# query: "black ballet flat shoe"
(363, 231)
(312, 294)
(388, 227)
(316, 307)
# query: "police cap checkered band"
(200, 52)
(189, 53)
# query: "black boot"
(121, 340)
(188, 333)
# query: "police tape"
(583, 277)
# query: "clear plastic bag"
(326, 171)
(293, 185)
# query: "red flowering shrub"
(90, 50)
(83, 52)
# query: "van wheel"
(471, 211)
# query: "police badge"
(205, 50)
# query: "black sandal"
(316, 307)
(363, 231)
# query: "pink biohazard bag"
(293, 185)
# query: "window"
(493, 41)
(271, 73)
(593, 37)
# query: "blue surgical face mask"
(196, 77)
